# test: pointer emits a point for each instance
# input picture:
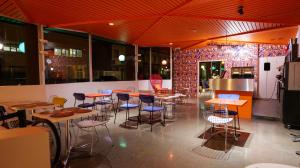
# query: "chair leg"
(126, 117)
(77, 136)
(109, 134)
(238, 118)
(116, 110)
(225, 138)
(151, 120)
(204, 141)
(92, 144)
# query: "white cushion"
(218, 120)
(89, 123)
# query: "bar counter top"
(245, 85)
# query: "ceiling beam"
(248, 32)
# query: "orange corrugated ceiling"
(185, 23)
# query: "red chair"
(156, 83)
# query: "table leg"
(67, 142)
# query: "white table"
(67, 126)
(269, 165)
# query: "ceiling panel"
(276, 11)
(10, 9)
(158, 23)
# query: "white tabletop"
(63, 119)
(269, 165)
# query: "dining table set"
(41, 110)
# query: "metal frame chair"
(89, 125)
(104, 101)
(220, 119)
(81, 97)
(235, 114)
(124, 97)
(151, 108)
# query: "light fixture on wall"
(52, 69)
(1, 46)
(121, 58)
(164, 62)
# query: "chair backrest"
(59, 101)
(79, 96)
(209, 110)
(147, 98)
(229, 96)
(156, 81)
(123, 96)
(106, 91)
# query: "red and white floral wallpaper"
(185, 61)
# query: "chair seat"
(152, 108)
(230, 112)
(89, 123)
(86, 105)
(218, 120)
(103, 102)
(128, 106)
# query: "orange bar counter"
(242, 87)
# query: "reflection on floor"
(176, 144)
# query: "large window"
(67, 58)
(160, 62)
(112, 61)
(18, 53)
(144, 63)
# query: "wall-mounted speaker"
(267, 66)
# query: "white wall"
(145, 84)
(43, 92)
(67, 90)
(22, 93)
(267, 79)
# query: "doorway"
(209, 70)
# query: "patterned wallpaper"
(185, 61)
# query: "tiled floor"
(173, 146)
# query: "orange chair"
(156, 83)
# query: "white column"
(90, 58)
(41, 48)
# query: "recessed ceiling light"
(111, 24)
(170, 43)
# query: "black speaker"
(267, 66)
